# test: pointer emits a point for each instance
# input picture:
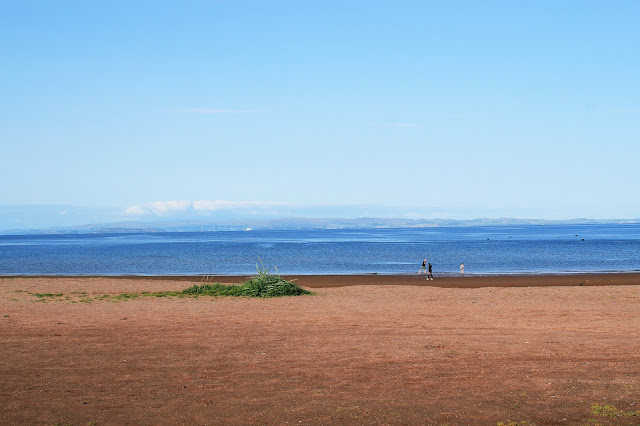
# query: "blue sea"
(526, 249)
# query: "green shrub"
(265, 284)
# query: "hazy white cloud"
(211, 206)
(136, 211)
(167, 208)
(159, 208)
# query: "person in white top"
(462, 269)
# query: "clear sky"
(453, 109)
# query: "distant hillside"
(299, 223)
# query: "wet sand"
(361, 350)
(471, 281)
(448, 281)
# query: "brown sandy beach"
(362, 350)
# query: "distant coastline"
(300, 223)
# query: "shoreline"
(449, 281)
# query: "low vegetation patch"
(265, 284)
(251, 288)
(611, 411)
(47, 295)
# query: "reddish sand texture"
(361, 354)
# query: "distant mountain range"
(298, 223)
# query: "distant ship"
(248, 229)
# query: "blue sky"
(455, 109)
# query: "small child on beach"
(462, 269)
(430, 275)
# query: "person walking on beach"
(423, 267)
(430, 275)
(462, 269)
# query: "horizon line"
(243, 222)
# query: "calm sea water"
(484, 250)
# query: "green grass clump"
(265, 284)
(47, 295)
(611, 411)
(125, 296)
(213, 290)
